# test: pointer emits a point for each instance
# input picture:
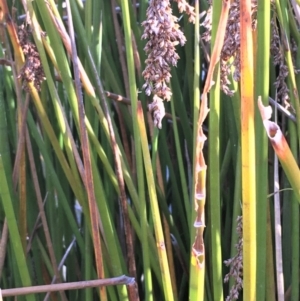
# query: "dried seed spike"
(163, 34)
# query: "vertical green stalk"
(262, 89)
(137, 141)
(196, 83)
(295, 249)
(248, 153)
(295, 207)
(214, 169)
(145, 249)
(132, 88)
(160, 241)
(196, 286)
(295, 224)
(270, 275)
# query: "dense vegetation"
(134, 141)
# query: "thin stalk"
(248, 153)
(278, 234)
(295, 250)
(197, 266)
(156, 167)
(133, 96)
(128, 281)
(262, 88)
(119, 38)
(91, 24)
(270, 275)
(214, 169)
(132, 87)
(145, 248)
(294, 225)
(295, 212)
(160, 241)
(286, 241)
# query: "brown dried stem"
(86, 153)
(68, 286)
(200, 166)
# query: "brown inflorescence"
(163, 34)
(278, 59)
(230, 55)
(236, 264)
(32, 71)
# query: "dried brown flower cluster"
(206, 36)
(230, 55)
(236, 264)
(163, 34)
(32, 71)
(183, 6)
(278, 59)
